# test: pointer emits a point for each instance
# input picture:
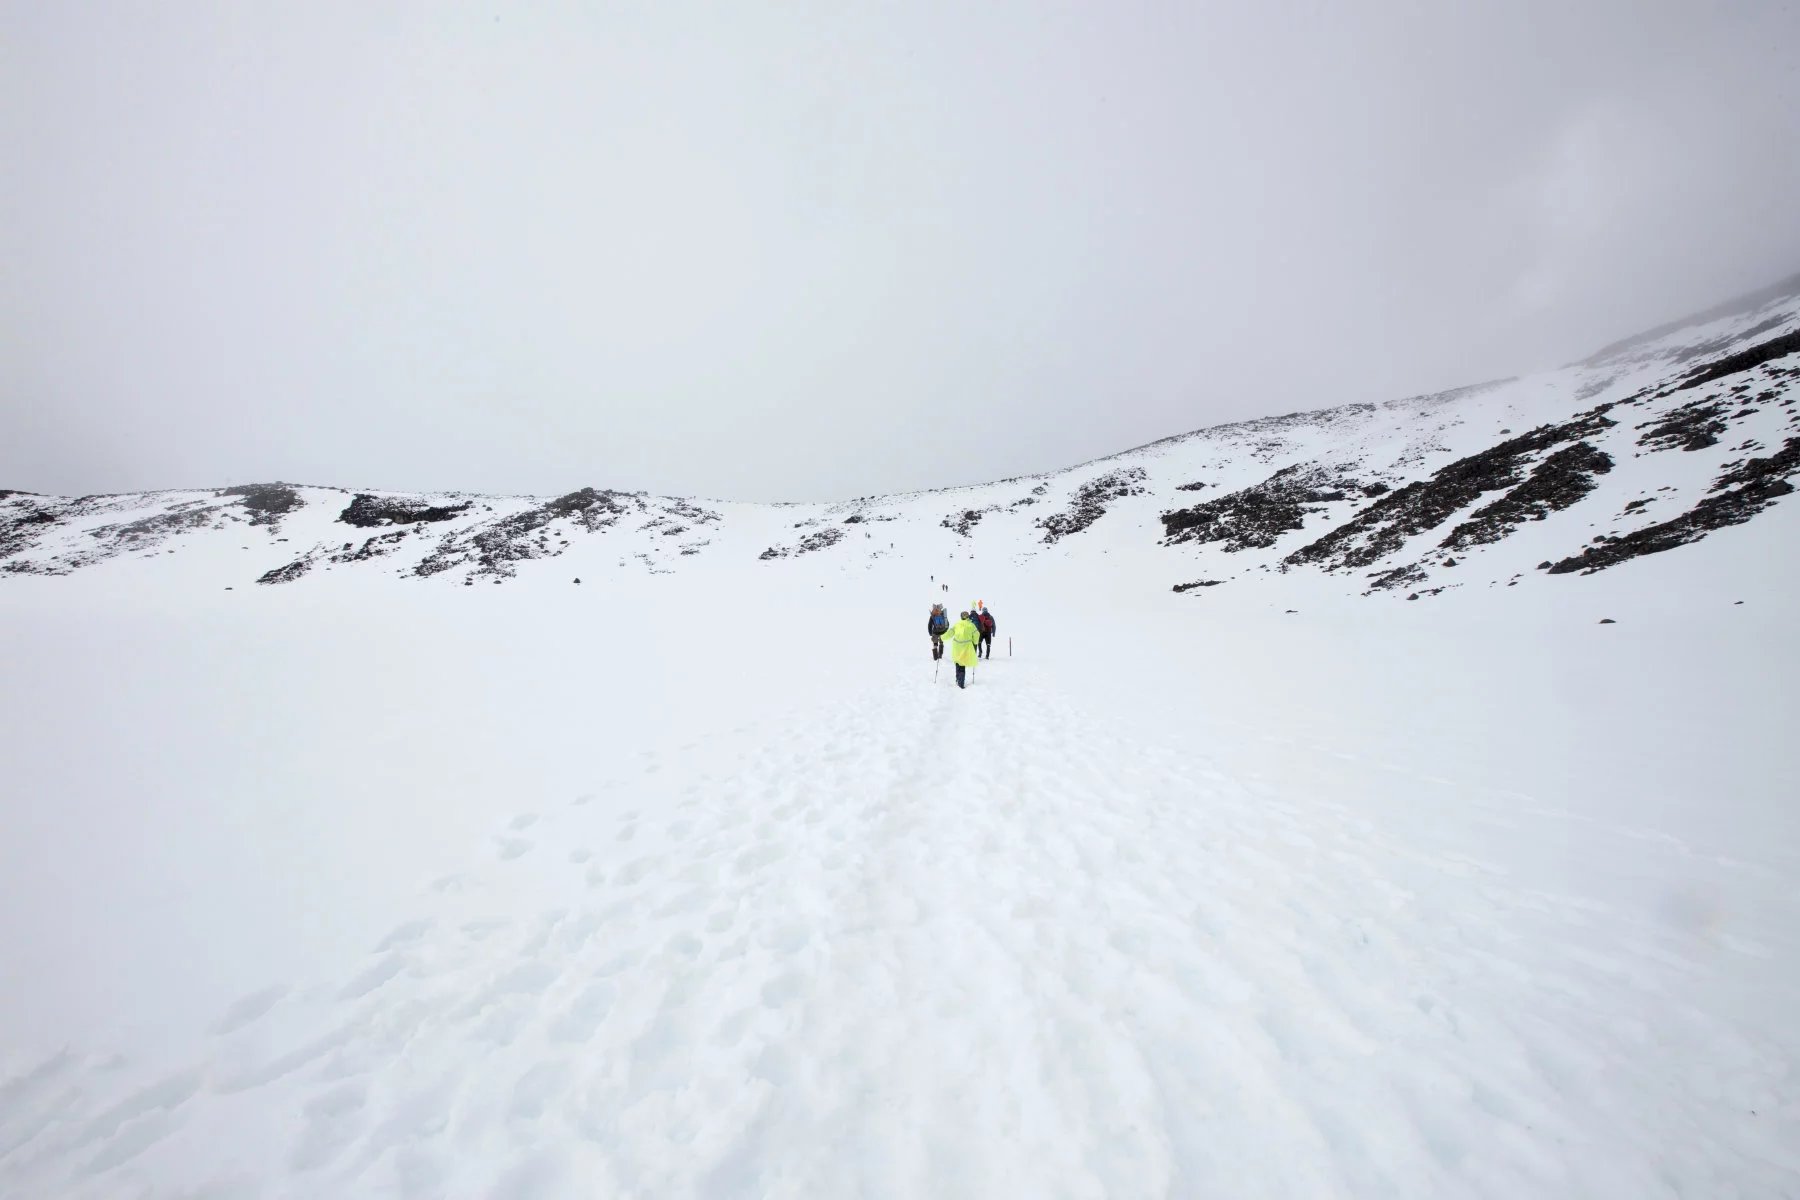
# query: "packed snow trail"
(924, 942)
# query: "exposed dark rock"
(287, 574)
(1384, 526)
(366, 511)
(811, 542)
(1608, 621)
(1693, 426)
(1744, 360)
(1398, 576)
(1035, 497)
(819, 540)
(1257, 516)
(157, 528)
(1554, 484)
(378, 546)
(593, 509)
(1089, 502)
(1198, 583)
(963, 522)
(22, 524)
(1735, 497)
(267, 502)
(1190, 487)
(495, 547)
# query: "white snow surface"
(676, 888)
(698, 879)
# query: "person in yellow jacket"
(963, 637)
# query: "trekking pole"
(1009, 647)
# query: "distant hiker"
(935, 628)
(987, 633)
(963, 638)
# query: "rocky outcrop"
(1744, 360)
(1257, 516)
(267, 503)
(1554, 484)
(1736, 496)
(1089, 502)
(366, 511)
(1384, 527)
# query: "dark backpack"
(939, 623)
(987, 623)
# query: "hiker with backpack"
(935, 627)
(963, 638)
(986, 622)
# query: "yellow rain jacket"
(962, 637)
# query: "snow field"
(669, 893)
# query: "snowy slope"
(1650, 445)
(698, 879)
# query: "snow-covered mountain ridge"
(1651, 444)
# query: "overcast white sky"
(812, 251)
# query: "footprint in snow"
(403, 935)
(781, 990)
(581, 1020)
(522, 821)
(537, 1089)
(388, 966)
(636, 870)
(511, 848)
(248, 1009)
(333, 1123)
(139, 1121)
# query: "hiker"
(935, 625)
(963, 638)
(987, 632)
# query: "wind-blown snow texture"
(697, 878)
